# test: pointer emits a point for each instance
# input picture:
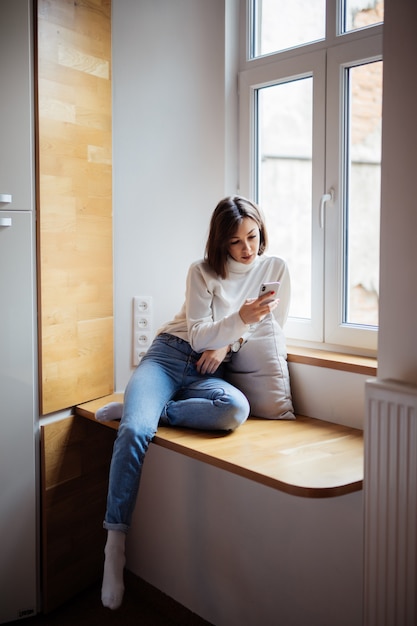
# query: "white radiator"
(390, 491)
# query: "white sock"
(109, 412)
(113, 588)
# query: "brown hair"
(226, 218)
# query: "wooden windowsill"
(333, 360)
(305, 457)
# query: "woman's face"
(244, 245)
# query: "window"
(361, 14)
(278, 25)
(310, 129)
(362, 169)
(284, 172)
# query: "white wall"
(397, 354)
(328, 394)
(171, 99)
(241, 554)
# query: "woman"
(179, 380)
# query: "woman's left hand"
(210, 360)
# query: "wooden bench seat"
(306, 457)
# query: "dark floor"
(143, 605)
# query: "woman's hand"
(254, 310)
(210, 360)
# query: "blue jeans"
(165, 389)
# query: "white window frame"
(325, 61)
(338, 59)
(272, 74)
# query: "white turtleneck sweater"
(209, 318)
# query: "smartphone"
(267, 288)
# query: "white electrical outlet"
(142, 327)
(142, 340)
(140, 354)
(142, 304)
(143, 322)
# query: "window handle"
(326, 197)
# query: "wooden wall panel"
(74, 186)
(76, 455)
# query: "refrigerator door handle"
(5, 221)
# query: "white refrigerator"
(19, 474)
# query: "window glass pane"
(284, 180)
(363, 180)
(362, 13)
(280, 24)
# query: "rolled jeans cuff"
(123, 528)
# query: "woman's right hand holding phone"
(255, 309)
